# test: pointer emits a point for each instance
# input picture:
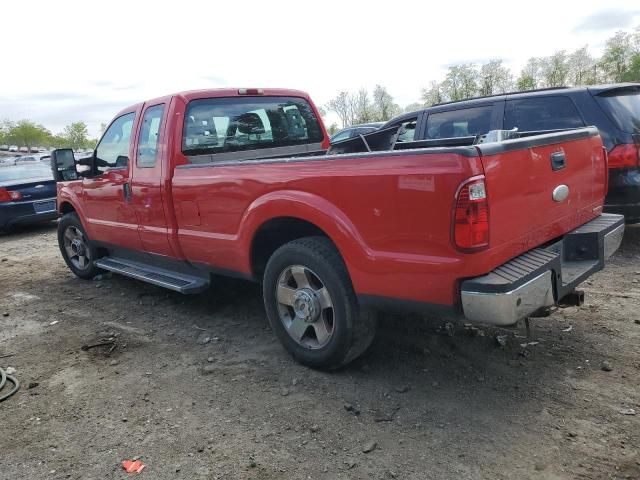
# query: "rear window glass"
(29, 171)
(218, 125)
(624, 109)
(541, 113)
(459, 123)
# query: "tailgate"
(542, 187)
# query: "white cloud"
(70, 60)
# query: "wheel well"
(275, 233)
(66, 207)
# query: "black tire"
(352, 331)
(71, 222)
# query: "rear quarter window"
(623, 108)
(236, 124)
(541, 113)
(463, 122)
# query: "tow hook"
(573, 299)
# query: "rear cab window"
(226, 127)
(541, 113)
(623, 108)
(463, 122)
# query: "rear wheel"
(76, 248)
(312, 307)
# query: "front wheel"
(312, 307)
(76, 248)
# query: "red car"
(239, 182)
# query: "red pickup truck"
(240, 182)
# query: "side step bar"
(161, 277)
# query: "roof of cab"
(189, 95)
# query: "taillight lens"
(624, 156)
(471, 222)
(9, 195)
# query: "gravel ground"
(198, 387)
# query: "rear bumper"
(543, 276)
(20, 213)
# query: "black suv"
(614, 109)
(355, 130)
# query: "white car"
(13, 148)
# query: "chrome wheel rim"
(75, 244)
(305, 307)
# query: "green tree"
(530, 75)
(26, 133)
(383, 104)
(495, 78)
(461, 82)
(5, 127)
(582, 67)
(617, 56)
(333, 128)
(555, 69)
(413, 107)
(76, 135)
(433, 95)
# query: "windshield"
(25, 172)
(623, 107)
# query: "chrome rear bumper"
(543, 276)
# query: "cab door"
(107, 205)
(147, 182)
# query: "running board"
(178, 282)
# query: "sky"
(66, 61)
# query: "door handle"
(558, 161)
(126, 190)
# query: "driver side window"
(113, 150)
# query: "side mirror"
(63, 165)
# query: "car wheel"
(312, 307)
(76, 248)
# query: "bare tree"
(495, 78)
(363, 109)
(341, 105)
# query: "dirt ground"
(198, 387)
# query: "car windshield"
(25, 172)
(624, 109)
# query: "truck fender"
(310, 208)
(70, 198)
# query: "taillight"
(624, 156)
(471, 218)
(250, 91)
(9, 195)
